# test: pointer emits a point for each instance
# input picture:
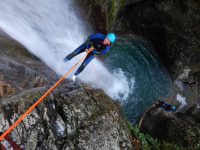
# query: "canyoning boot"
(73, 78)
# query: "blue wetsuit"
(94, 40)
(166, 106)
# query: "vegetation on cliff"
(147, 142)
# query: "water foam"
(182, 100)
(51, 30)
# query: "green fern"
(147, 142)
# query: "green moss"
(71, 120)
(115, 119)
(94, 114)
(12, 111)
(114, 136)
(89, 101)
(147, 142)
(108, 7)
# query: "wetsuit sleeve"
(161, 105)
(94, 36)
(101, 51)
(97, 36)
(95, 52)
(105, 50)
(165, 103)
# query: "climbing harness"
(18, 120)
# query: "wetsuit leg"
(87, 60)
(77, 51)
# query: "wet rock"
(172, 27)
(180, 129)
(103, 14)
(84, 119)
(20, 70)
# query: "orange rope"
(95, 71)
(18, 120)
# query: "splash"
(182, 100)
(51, 30)
(121, 88)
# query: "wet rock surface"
(82, 118)
(172, 27)
(102, 14)
(19, 69)
(180, 129)
(75, 116)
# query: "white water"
(51, 30)
(182, 100)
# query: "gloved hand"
(95, 52)
(98, 53)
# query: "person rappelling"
(99, 42)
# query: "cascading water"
(52, 29)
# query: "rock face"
(173, 28)
(20, 70)
(180, 129)
(79, 118)
(72, 116)
(102, 14)
(75, 116)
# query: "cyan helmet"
(111, 37)
(173, 107)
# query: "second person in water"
(101, 44)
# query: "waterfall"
(51, 30)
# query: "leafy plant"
(147, 142)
